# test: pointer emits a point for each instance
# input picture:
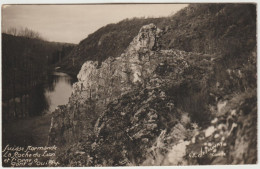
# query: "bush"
(190, 97)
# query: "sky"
(73, 23)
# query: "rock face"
(116, 76)
(153, 107)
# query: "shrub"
(189, 96)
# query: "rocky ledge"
(157, 107)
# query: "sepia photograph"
(129, 84)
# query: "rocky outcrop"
(229, 139)
(101, 85)
(141, 65)
(154, 107)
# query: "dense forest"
(26, 59)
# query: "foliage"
(110, 40)
(25, 62)
(190, 96)
(227, 29)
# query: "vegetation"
(24, 32)
(211, 28)
(25, 62)
(217, 88)
(110, 40)
(225, 29)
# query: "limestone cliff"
(157, 107)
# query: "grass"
(31, 131)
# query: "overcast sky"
(72, 23)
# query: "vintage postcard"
(151, 84)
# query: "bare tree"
(12, 31)
(24, 32)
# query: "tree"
(12, 31)
(24, 32)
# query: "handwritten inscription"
(211, 151)
(16, 156)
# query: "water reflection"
(38, 102)
(58, 89)
(43, 98)
(26, 119)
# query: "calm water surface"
(42, 100)
(58, 90)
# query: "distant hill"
(202, 28)
(25, 60)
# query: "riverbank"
(32, 127)
(31, 131)
(71, 73)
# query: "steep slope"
(210, 28)
(25, 64)
(108, 41)
(24, 61)
(227, 29)
(146, 111)
(158, 106)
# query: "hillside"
(25, 60)
(201, 28)
(182, 91)
(209, 28)
(108, 41)
(25, 64)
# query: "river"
(43, 99)
(60, 91)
